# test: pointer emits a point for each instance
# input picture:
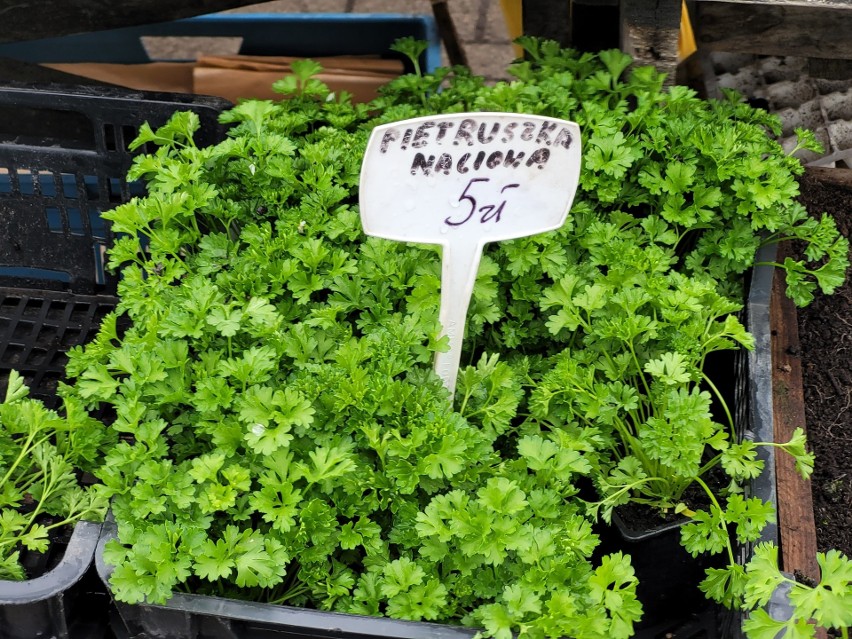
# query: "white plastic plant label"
(461, 180)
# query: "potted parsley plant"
(284, 438)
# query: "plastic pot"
(50, 605)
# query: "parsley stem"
(464, 402)
(724, 521)
(638, 367)
(25, 453)
(613, 497)
(292, 592)
(45, 495)
(782, 267)
(164, 141)
(709, 465)
(724, 404)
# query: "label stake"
(462, 180)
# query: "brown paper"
(334, 64)
(236, 77)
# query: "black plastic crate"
(63, 161)
(37, 327)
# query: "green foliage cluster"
(283, 435)
(40, 454)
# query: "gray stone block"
(806, 116)
(789, 93)
(746, 81)
(840, 133)
(838, 106)
(776, 69)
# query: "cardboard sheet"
(236, 77)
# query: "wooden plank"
(550, 19)
(649, 32)
(835, 177)
(811, 28)
(795, 503)
(35, 19)
(800, 3)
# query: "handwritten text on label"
(529, 144)
(480, 176)
(489, 211)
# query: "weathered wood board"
(795, 503)
(834, 176)
(649, 32)
(807, 28)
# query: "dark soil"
(37, 564)
(825, 333)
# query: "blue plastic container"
(273, 34)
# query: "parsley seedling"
(39, 490)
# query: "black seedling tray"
(51, 605)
